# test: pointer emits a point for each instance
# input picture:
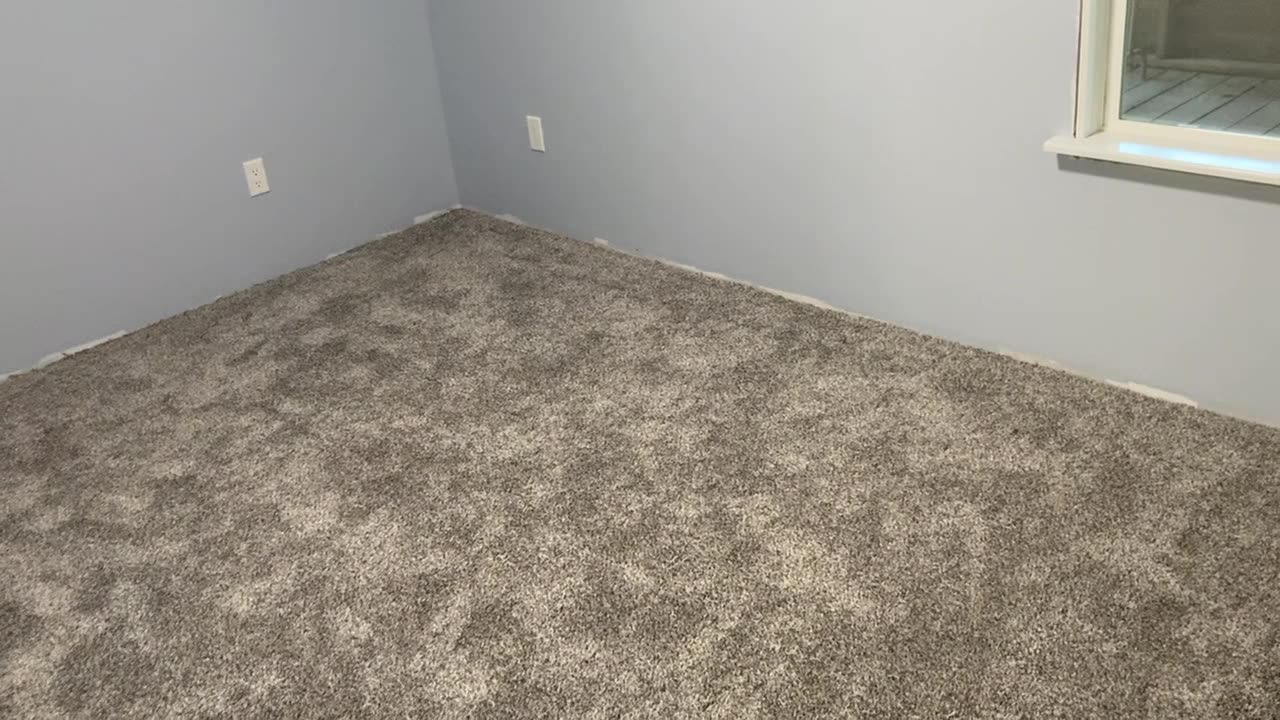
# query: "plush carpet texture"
(477, 470)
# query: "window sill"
(1197, 158)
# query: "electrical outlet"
(255, 173)
(536, 140)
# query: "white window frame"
(1101, 134)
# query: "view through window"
(1208, 64)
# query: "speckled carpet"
(476, 470)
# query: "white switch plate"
(255, 173)
(536, 139)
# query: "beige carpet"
(476, 470)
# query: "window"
(1188, 85)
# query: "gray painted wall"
(122, 132)
(884, 157)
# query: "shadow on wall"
(1175, 180)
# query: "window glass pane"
(1211, 64)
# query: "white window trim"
(1100, 134)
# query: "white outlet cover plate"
(536, 139)
(255, 174)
